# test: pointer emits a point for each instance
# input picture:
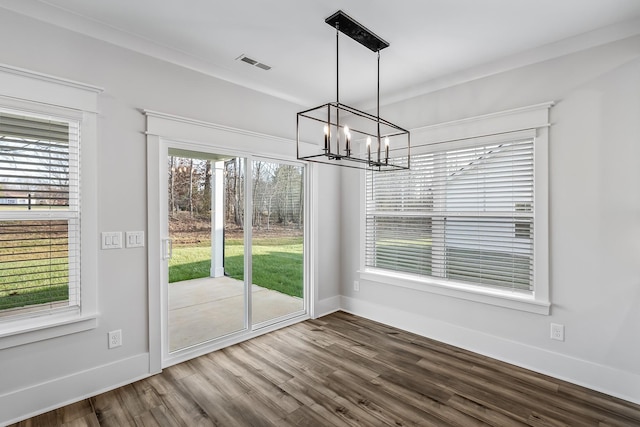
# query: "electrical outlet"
(356, 285)
(557, 332)
(115, 338)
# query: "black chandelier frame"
(333, 116)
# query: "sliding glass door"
(277, 245)
(234, 264)
(206, 291)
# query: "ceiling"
(433, 43)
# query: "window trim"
(529, 119)
(37, 93)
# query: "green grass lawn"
(26, 280)
(277, 263)
(189, 262)
(45, 294)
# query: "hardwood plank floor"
(342, 370)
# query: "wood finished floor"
(342, 370)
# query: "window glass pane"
(278, 240)
(234, 218)
(189, 197)
(399, 243)
(459, 214)
(488, 251)
(35, 265)
(38, 163)
(206, 290)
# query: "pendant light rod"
(378, 108)
(378, 89)
(338, 85)
(338, 62)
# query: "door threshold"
(198, 350)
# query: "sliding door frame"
(164, 131)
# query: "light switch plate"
(134, 239)
(111, 239)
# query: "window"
(48, 232)
(39, 213)
(461, 214)
(470, 218)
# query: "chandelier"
(352, 138)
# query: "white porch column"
(217, 220)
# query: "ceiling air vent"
(248, 60)
(251, 61)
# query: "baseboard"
(40, 398)
(327, 306)
(611, 381)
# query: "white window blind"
(39, 213)
(463, 214)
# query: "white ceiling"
(434, 43)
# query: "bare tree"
(234, 184)
(172, 173)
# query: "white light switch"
(134, 239)
(111, 239)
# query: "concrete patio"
(204, 309)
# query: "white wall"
(38, 376)
(594, 224)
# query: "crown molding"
(9, 69)
(210, 125)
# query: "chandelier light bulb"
(326, 138)
(347, 137)
(386, 149)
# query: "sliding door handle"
(167, 249)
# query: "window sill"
(502, 298)
(41, 328)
